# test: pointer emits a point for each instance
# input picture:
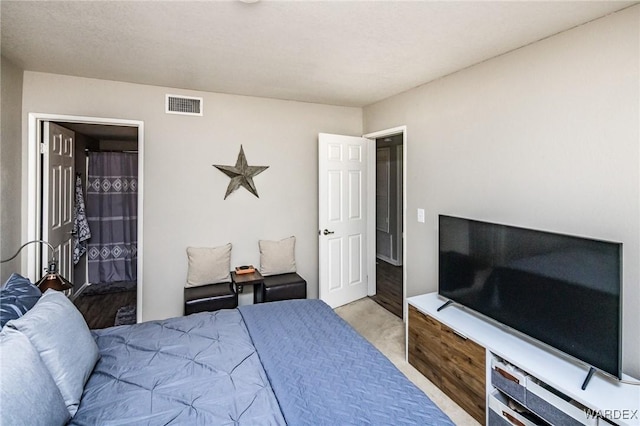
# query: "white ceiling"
(350, 53)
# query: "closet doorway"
(389, 223)
(103, 191)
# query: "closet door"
(384, 239)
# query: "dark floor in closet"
(99, 309)
(389, 287)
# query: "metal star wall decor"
(241, 174)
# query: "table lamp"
(51, 279)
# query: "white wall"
(10, 170)
(544, 137)
(183, 192)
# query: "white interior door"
(58, 195)
(342, 167)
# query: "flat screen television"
(561, 290)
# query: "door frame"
(33, 206)
(371, 225)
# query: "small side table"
(254, 278)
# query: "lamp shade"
(52, 279)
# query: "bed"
(290, 362)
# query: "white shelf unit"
(603, 394)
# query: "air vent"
(185, 105)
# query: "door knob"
(327, 232)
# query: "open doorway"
(104, 189)
(106, 243)
(389, 223)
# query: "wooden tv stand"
(481, 364)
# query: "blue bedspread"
(324, 373)
(195, 370)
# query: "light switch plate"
(421, 215)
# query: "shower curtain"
(112, 208)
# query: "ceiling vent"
(185, 105)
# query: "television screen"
(561, 290)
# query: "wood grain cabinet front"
(452, 362)
(424, 355)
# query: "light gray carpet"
(386, 332)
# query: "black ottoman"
(210, 297)
(283, 287)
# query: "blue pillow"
(60, 334)
(28, 393)
(17, 296)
